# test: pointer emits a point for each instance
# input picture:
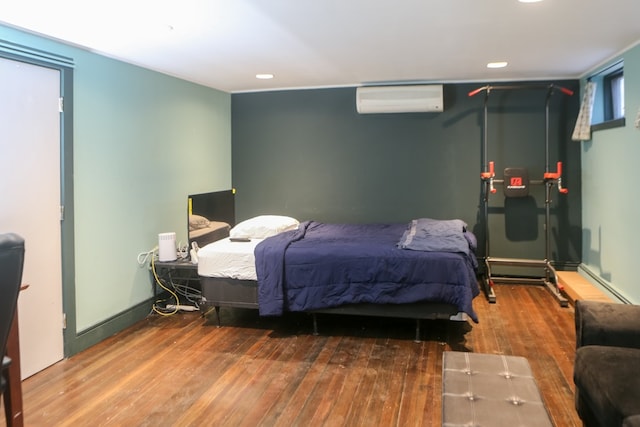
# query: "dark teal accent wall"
(309, 154)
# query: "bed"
(422, 270)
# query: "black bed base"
(220, 292)
(416, 311)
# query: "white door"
(30, 203)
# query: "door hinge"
(64, 321)
(61, 105)
(61, 212)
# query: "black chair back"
(11, 265)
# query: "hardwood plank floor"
(183, 371)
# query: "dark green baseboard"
(107, 328)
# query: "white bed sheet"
(224, 258)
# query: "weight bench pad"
(490, 390)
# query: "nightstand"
(181, 277)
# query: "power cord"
(149, 258)
(183, 250)
(160, 310)
(191, 294)
(143, 257)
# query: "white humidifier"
(167, 247)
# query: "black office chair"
(11, 264)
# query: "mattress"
(227, 259)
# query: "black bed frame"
(220, 292)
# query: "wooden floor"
(183, 371)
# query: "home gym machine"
(516, 183)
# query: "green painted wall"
(142, 142)
(309, 154)
(609, 191)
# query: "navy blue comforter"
(326, 265)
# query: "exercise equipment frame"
(550, 279)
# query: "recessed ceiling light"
(529, 1)
(264, 76)
(500, 64)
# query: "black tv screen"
(206, 211)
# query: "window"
(608, 107)
(614, 95)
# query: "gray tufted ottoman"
(490, 390)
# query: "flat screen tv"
(210, 216)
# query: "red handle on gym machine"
(565, 90)
(489, 176)
(557, 176)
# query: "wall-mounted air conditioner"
(399, 99)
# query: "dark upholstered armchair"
(11, 264)
(607, 365)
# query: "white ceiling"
(326, 43)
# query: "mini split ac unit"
(399, 99)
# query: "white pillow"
(263, 226)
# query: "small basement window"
(608, 107)
(614, 96)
